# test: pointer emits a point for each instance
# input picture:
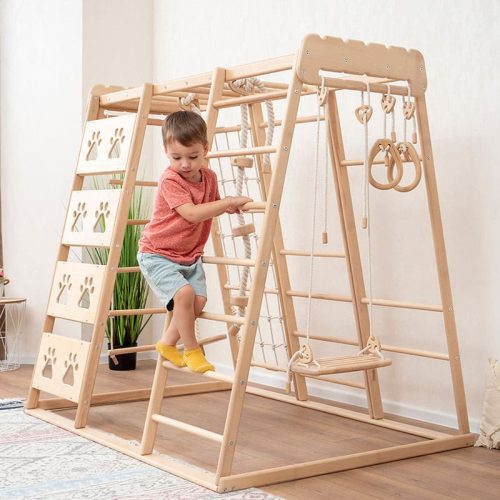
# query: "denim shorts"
(166, 277)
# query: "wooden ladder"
(67, 367)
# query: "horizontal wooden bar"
(249, 99)
(300, 119)
(266, 66)
(128, 396)
(228, 286)
(335, 380)
(183, 426)
(403, 305)
(377, 88)
(120, 96)
(354, 163)
(189, 82)
(132, 269)
(162, 310)
(242, 152)
(118, 182)
(342, 463)
(319, 296)
(302, 253)
(210, 374)
(227, 261)
(384, 347)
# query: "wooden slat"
(241, 152)
(183, 426)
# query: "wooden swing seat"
(341, 364)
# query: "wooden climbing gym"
(267, 313)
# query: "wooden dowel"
(253, 98)
(183, 426)
(209, 374)
(384, 347)
(267, 66)
(378, 88)
(319, 296)
(227, 286)
(242, 152)
(354, 163)
(302, 253)
(334, 380)
(300, 119)
(228, 261)
(118, 182)
(403, 305)
(134, 269)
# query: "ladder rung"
(225, 318)
(209, 374)
(242, 161)
(244, 230)
(228, 261)
(183, 426)
(259, 150)
(355, 163)
(259, 97)
(303, 253)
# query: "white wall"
(458, 40)
(41, 116)
(52, 53)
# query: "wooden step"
(183, 426)
(259, 150)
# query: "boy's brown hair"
(185, 127)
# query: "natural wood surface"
(466, 473)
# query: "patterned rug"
(40, 460)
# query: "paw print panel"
(75, 291)
(91, 217)
(60, 365)
(106, 145)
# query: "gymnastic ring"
(387, 146)
(407, 153)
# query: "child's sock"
(170, 353)
(196, 361)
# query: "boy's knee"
(184, 297)
(199, 304)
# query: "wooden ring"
(387, 146)
(363, 113)
(407, 153)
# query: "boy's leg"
(166, 345)
(192, 305)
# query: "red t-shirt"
(168, 233)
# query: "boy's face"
(187, 160)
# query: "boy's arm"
(198, 213)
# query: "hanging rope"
(248, 85)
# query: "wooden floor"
(274, 433)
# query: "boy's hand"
(235, 203)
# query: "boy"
(172, 242)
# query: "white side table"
(11, 321)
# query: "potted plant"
(130, 290)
